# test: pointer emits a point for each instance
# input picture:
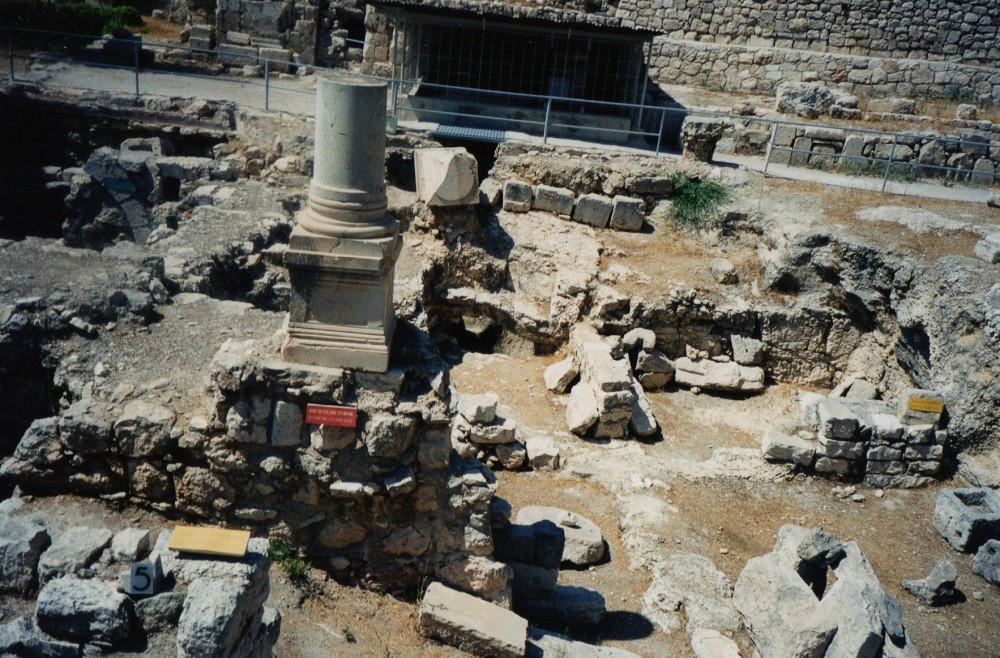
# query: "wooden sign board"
(325, 414)
(210, 541)
(926, 404)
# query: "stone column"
(342, 252)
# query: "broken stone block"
(501, 430)
(21, 545)
(584, 543)
(840, 449)
(712, 375)
(581, 410)
(780, 447)
(967, 518)
(471, 624)
(517, 196)
(836, 421)
(568, 606)
(84, 429)
(639, 338)
(160, 613)
(286, 426)
(826, 464)
(216, 612)
(546, 644)
(710, 643)
(627, 213)
(446, 176)
(74, 549)
(654, 361)
(747, 351)
(937, 588)
(511, 455)
(481, 576)
(543, 455)
(489, 192)
(561, 374)
(130, 545)
(556, 200)
(21, 638)
(862, 390)
(989, 248)
(593, 210)
(71, 608)
(986, 563)
(478, 408)
(723, 271)
(143, 430)
(915, 397)
(966, 112)
(699, 137)
(642, 422)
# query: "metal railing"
(548, 116)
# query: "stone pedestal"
(342, 252)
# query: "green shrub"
(72, 17)
(290, 559)
(696, 202)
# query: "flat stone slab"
(716, 376)
(74, 549)
(584, 542)
(471, 624)
(780, 447)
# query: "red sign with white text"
(324, 414)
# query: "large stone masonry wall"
(966, 31)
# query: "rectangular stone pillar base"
(336, 347)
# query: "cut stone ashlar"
(968, 518)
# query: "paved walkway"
(296, 95)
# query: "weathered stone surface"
(511, 455)
(83, 428)
(490, 191)
(989, 248)
(627, 213)
(556, 200)
(986, 563)
(780, 447)
(967, 518)
(72, 550)
(478, 408)
(561, 374)
(21, 545)
(593, 210)
(639, 339)
(836, 421)
(70, 608)
(643, 422)
(584, 543)
(568, 606)
(214, 615)
(471, 624)
(446, 176)
(546, 644)
(710, 643)
(160, 613)
(808, 100)
(22, 639)
(699, 137)
(938, 587)
(581, 410)
(388, 436)
(501, 430)
(689, 591)
(517, 196)
(143, 430)
(543, 454)
(712, 375)
(747, 351)
(910, 416)
(481, 576)
(286, 425)
(723, 271)
(130, 545)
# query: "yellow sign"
(210, 541)
(926, 404)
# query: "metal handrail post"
(135, 52)
(267, 85)
(545, 130)
(659, 136)
(770, 146)
(10, 52)
(888, 164)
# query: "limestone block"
(966, 112)
(747, 351)
(279, 59)
(653, 361)
(74, 549)
(639, 338)
(840, 449)
(84, 429)
(446, 176)
(533, 581)
(71, 608)
(481, 576)
(517, 196)
(130, 545)
(593, 210)
(568, 606)
(779, 447)
(325, 437)
(478, 408)
(286, 425)
(143, 430)
(986, 563)
(983, 172)
(627, 213)
(826, 464)
(232, 55)
(723, 271)
(712, 375)
(490, 192)
(584, 543)
(967, 518)
(511, 455)
(543, 455)
(501, 430)
(388, 436)
(21, 545)
(710, 643)
(642, 421)
(581, 410)
(910, 416)
(989, 248)
(546, 644)
(215, 614)
(700, 135)
(556, 200)
(938, 587)
(21, 638)
(836, 421)
(160, 613)
(862, 390)
(561, 374)
(471, 624)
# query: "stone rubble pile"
(485, 430)
(621, 213)
(214, 607)
(886, 445)
(791, 608)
